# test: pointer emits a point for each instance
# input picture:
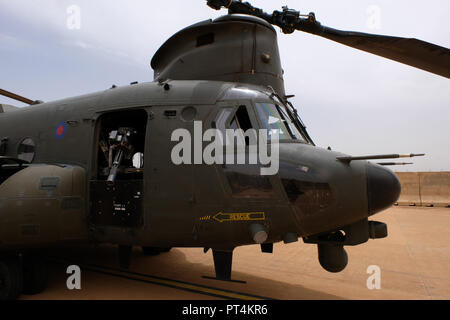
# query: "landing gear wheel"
(11, 279)
(35, 275)
(332, 258)
(154, 251)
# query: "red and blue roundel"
(60, 130)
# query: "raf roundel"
(60, 130)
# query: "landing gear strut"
(223, 261)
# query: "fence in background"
(429, 189)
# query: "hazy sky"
(350, 100)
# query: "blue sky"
(350, 100)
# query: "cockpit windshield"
(276, 119)
(275, 114)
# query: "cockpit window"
(220, 122)
(241, 120)
(26, 150)
(276, 119)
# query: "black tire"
(35, 275)
(11, 279)
(332, 258)
(154, 251)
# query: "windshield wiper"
(299, 122)
(293, 113)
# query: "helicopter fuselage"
(63, 195)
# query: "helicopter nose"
(383, 188)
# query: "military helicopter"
(99, 168)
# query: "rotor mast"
(413, 52)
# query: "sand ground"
(414, 262)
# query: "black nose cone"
(383, 188)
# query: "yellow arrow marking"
(245, 216)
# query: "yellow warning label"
(245, 216)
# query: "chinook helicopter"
(98, 168)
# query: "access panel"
(117, 205)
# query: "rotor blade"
(15, 97)
(409, 51)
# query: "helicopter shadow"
(178, 266)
